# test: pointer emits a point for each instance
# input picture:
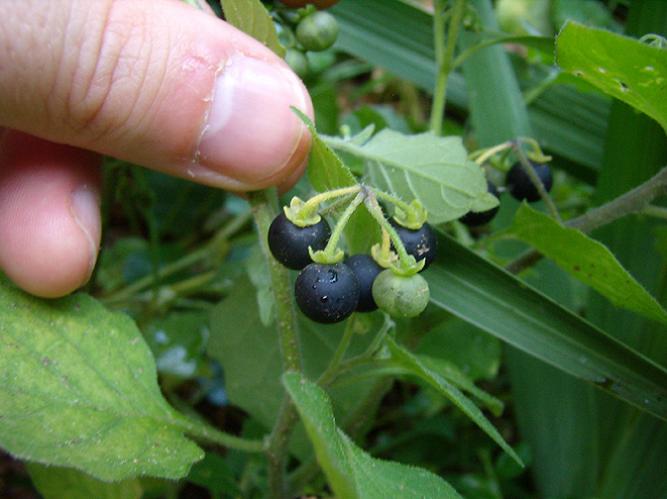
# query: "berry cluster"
(305, 30)
(330, 287)
(519, 185)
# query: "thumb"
(156, 83)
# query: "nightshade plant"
(314, 354)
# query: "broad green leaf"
(435, 170)
(78, 388)
(585, 259)
(488, 297)
(327, 172)
(398, 37)
(351, 472)
(54, 482)
(622, 67)
(417, 368)
(249, 352)
(251, 17)
(214, 473)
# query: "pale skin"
(156, 83)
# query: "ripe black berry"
(365, 269)
(289, 242)
(327, 293)
(420, 243)
(472, 219)
(520, 186)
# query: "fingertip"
(50, 224)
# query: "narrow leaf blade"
(417, 368)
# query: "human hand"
(156, 83)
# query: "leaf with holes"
(622, 67)
(587, 260)
(78, 388)
(251, 17)
(435, 170)
(351, 472)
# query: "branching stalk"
(444, 54)
(535, 179)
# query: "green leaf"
(249, 352)
(251, 17)
(453, 375)
(475, 353)
(351, 472)
(78, 388)
(585, 259)
(327, 172)
(398, 37)
(54, 482)
(417, 368)
(434, 170)
(493, 300)
(622, 67)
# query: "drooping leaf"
(483, 294)
(78, 388)
(622, 67)
(417, 368)
(435, 170)
(251, 17)
(54, 482)
(351, 472)
(585, 259)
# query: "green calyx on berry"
(412, 218)
(300, 213)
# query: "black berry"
(420, 243)
(520, 186)
(472, 219)
(365, 269)
(327, 293)
(289, 242)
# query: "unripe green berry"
(401, 296)
(318, 31)
(297, 61)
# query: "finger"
(157, 83)
(49, 214)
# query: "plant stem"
(313, 203)
(378, 215)
(633, 201)
(332, 245)
(380, 194)
(655, 211)
(262, 202)
(206, 432)
(332, 369)
(528, 169)
(264, 205)
(215, 245)
(444, 53)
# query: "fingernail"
(85, 208)
(251, 133)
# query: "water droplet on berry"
(333, 275)
(324, 299)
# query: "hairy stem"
(444, 53)
(210, 434)
(264, 206)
